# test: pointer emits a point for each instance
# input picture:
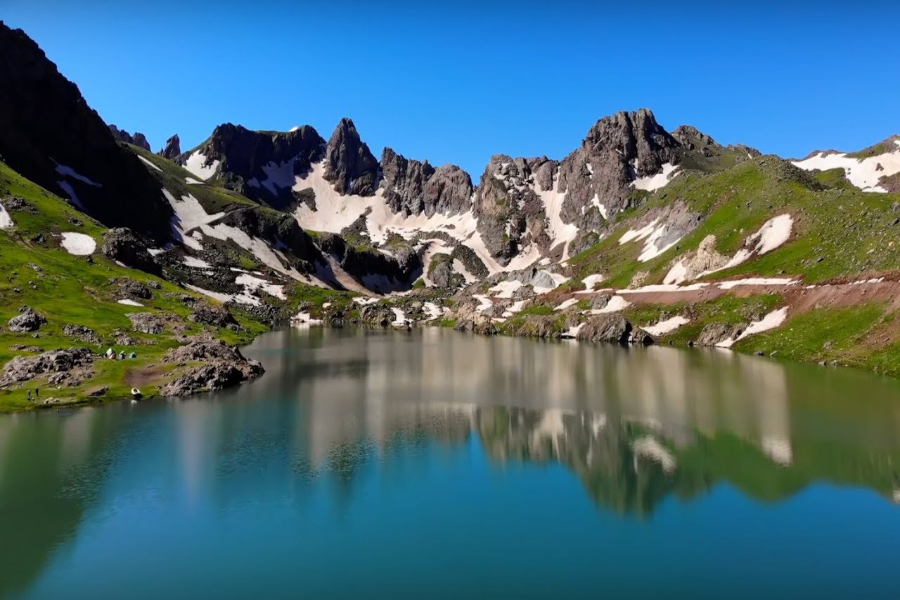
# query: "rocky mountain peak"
(413, 187)
(349, 164)
(172, 149)
(261, 164)
(138, 139)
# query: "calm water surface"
(435, 464)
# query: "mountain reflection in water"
(635, 426)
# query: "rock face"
(26, 321)
(279, 229)
(378, 271)
(209, 314)
(51, 136)
(510, 213)
(226, 367)
(349, 164)
(82, 334)
(123, 245)
(412, 187)
(605, 328)
(25, 368)
(716, 333)
(261, 164)
(138, 139)
(147, 323)
(172, 149)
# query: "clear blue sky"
(459, 81)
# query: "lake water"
(435, 464)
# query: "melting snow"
(654, 182)
(650, 289)
(615, 304)
(251, 283)
(197, 263)
(773, 233)
(506, 289)
(591, 280)
(560, 232)
(5, 219)
(434, 312)
(727, 285)
(196, 164)
(399, 317)
(863, 173)
(655, 236)
(243, 298)
(190, 214)
(70, 172)
(666, 326)
(127, 302)
(484, 302)
(770, 321)
(567, 303)
(70, 191)
(460, 268)
(515, 308)
(149, 163)
(78, 244)
(192, 181)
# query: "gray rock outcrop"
(172, 149)
(349, 164)
(412, 187)
(26, 321)
(605, 328)
(124, 245)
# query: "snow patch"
(515, 308)
(773, 233)
(196, 164)
(651, 183)
(666, 326)
(863, 173)
(506, 289)
(772, 320)
(615, 304)
(70, 172)
(252, 283)
(399, 317)
(5, 219)
(78, 244)
(192, 181)
(197, 263)
(149, 163)
(727, 285)
(484, 302)
(560, 231)
(591, 280)
(127, 302)
(433, 311)
(567, 303)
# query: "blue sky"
(457, 82)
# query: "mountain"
(639, 235)
(50, 135)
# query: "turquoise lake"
(437, 464)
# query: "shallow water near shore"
(439, 464)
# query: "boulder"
(26, 321)
(82, 334)
(123, 245)
(605, 328)
(226, 367)
(25, 368)
(210, 314)
(716, 333)
(639, 337)
(147, 323)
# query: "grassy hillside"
(79, 290)
(838, 231)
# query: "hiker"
(37, 393)
(29, 396)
